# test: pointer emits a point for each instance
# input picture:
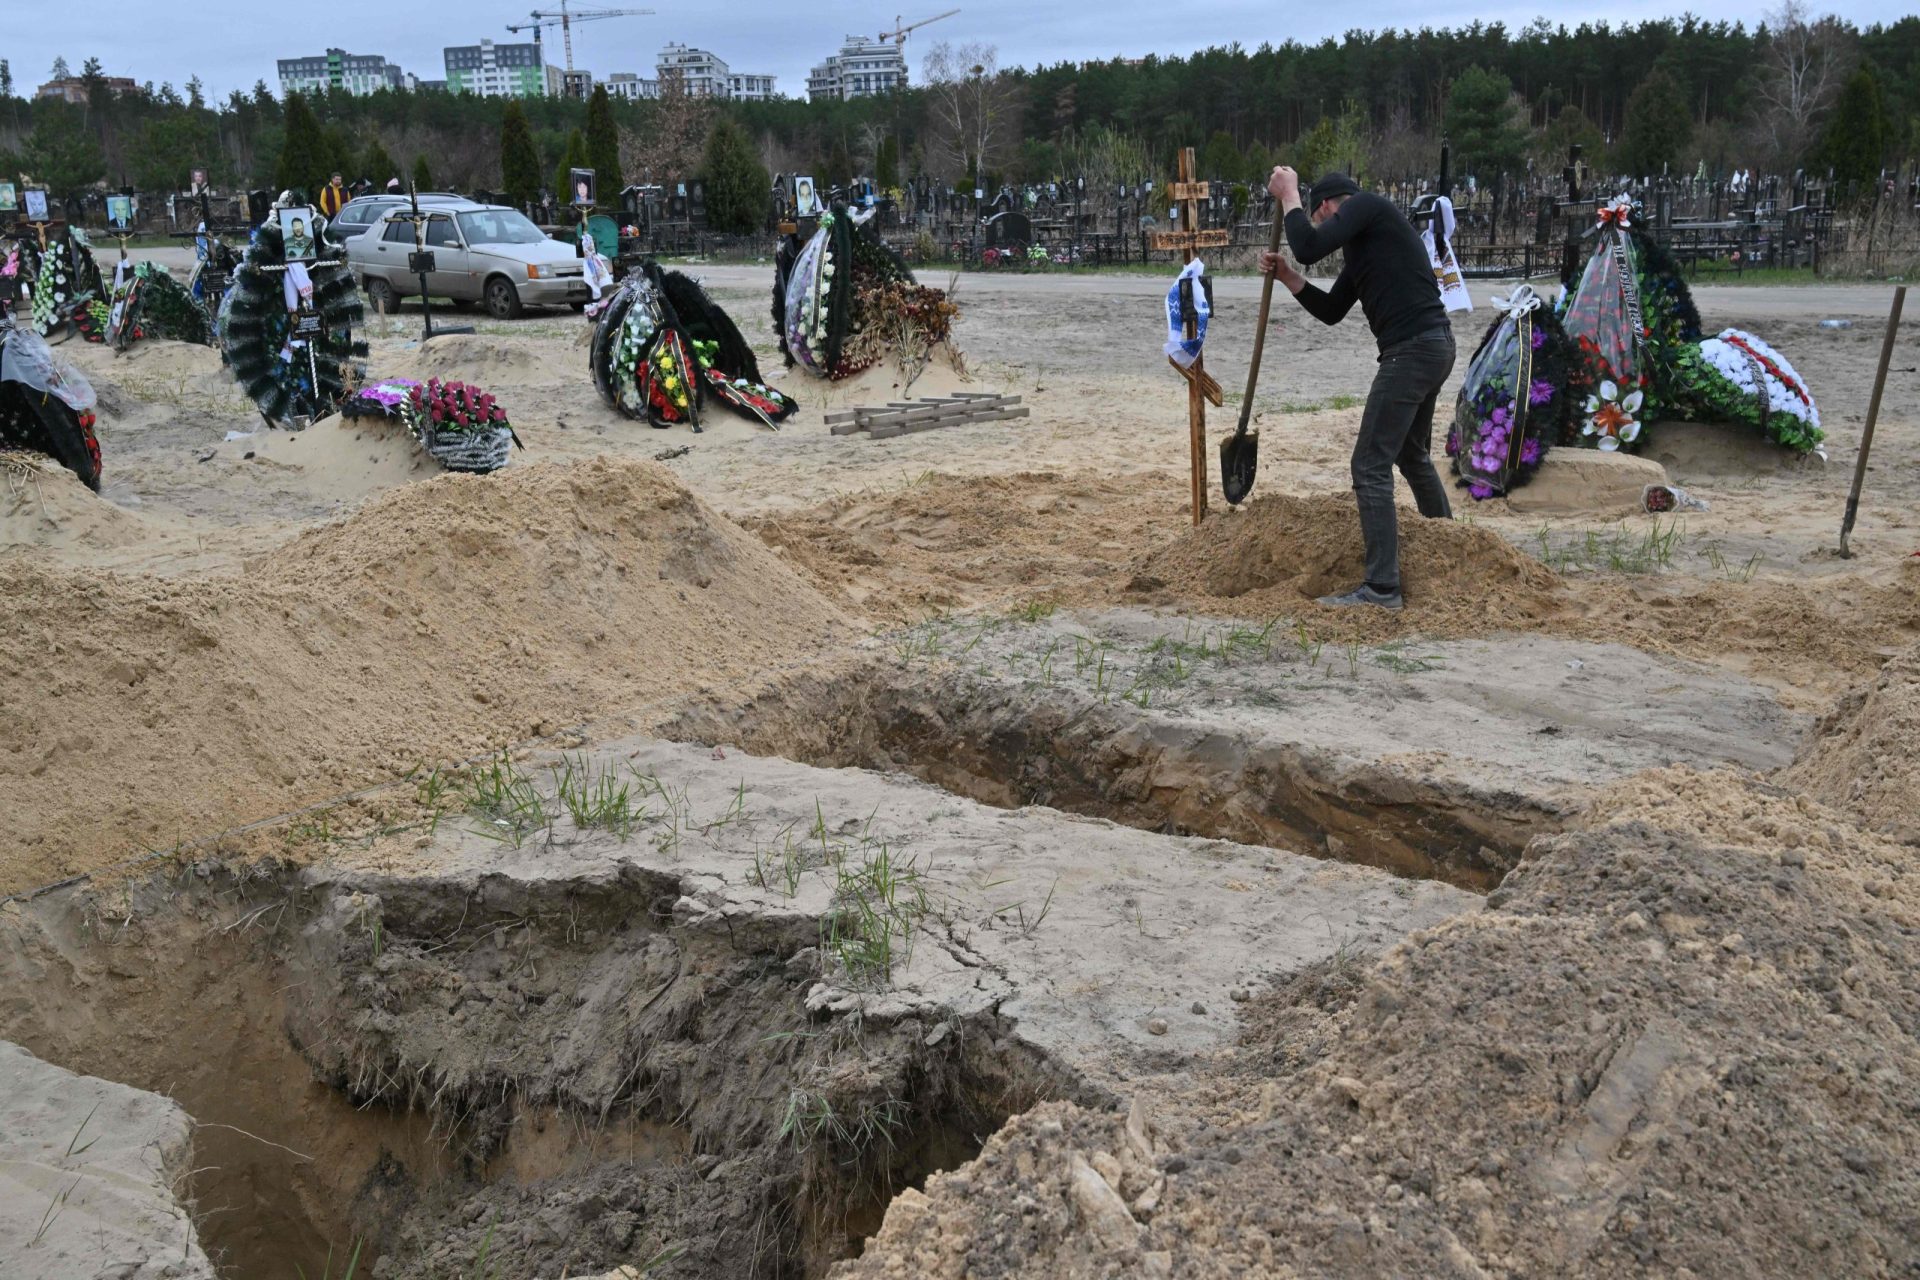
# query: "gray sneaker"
(1363, 594)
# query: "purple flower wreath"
(1513, 404)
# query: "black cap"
(1330, 186)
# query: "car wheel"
(503, 300)
(381, 295)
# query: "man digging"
(1388, 271)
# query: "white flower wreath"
(1730, 362)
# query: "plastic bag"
(25, 358)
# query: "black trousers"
(1397, 430)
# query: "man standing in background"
(333, 197)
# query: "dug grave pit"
(1433, 759)
(728, 1017)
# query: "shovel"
(1240, 452)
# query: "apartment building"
(501, 70)
(355, 73)
(863, 67)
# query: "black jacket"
(1387, 269)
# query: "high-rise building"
(501, 70)
(863, 67)
(625, 84)
(355, 73)
(701, 73)
(577, 84)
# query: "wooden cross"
(1201, 388)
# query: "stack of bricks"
(904, 416)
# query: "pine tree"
(575, 157)
(378, 166)
(60, 71)
(737, 182)
(1658, 123)
(1858, 133)
(303, 152)
(1488, 134)
(339, 157)
(6, 79)
(1221, 160)
(603, 144)
(1258, 164)
(886, 164)
(422, 175)
(61, 152)
(519, 161)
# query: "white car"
(482, 253)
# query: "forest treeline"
(1793, 91)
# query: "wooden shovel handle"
(1260, 332)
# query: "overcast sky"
(231, 43)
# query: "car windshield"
(499, 226)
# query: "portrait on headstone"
(582, 182)
(296, 229)
(120, 212)
(36, 206)
(806, 199)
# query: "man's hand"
(1273, 264)
(1284, 184)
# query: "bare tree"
(971, 108)
(669, 145)
(1804, 68)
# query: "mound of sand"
(470, 357)
(441, 619)
(44, 507)
(335, 463)
(1864, 757)
(1677, 1042)
(949, 542)
(1282, 550)
(154, 369)
(1693, 452)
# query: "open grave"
(727, 1017)
(641, 1002)
(1435, 759)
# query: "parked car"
(482, 253)
(362, 212)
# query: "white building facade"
(701, 73)
(750, 88)
(705, 74)
(625, 84)
(863, 67)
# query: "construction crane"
(899, 33)
(564, 19)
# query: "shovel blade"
(1239, 458)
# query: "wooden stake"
(1190, 194)
(1873, 416)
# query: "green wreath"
(281, 379)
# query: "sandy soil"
(91, 1171)
(1679, 1022)
(1084, 502)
